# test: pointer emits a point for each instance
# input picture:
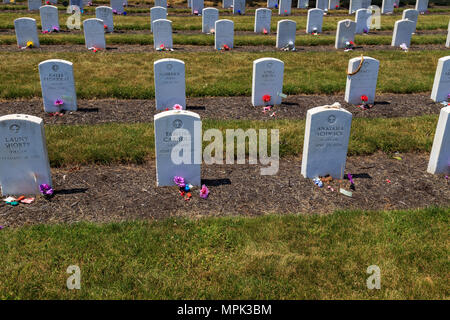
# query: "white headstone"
(333, 4)
(285, 33)
(238, 6)
(49, 17)
(157, 13)
(161, 3)
(197, 6)
(364, 82)
(412, 15)
(117, 6)
(441, 85)
(302, 4)
(314, 21)
(355, 5)
(440, 152)
(387, 6)
(26, 30)
(57, 83)
(284, 7)
(162, 33)
(422, 5)
(322, 4)
(363, 17)
(346, 30)
(226, 4)
(403, 30)
(272, 3)
(267, 80)
(23, 155)
(170, 83)
(447, 44)
(209, 18)
(263, 18)
(34, 4)
(178, 137)
(224, 33)
(327, 133)
(105, 14)
(94, 33)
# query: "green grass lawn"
(108, 74)
(268, 257)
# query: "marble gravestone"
(355, 5)
(26, 30)
(94, 33)
(178, 147)
(161, 3)
(162, 33)
(34, 5)
(238, 6)
(157, 13)
(364, 82)
(170, 83)
(412, 15)
(117, 6)
(441, 84)
(224, 34)
(267, 80)
(440, 152)
(263, 19)
(403, 30)
(49, 17)
(209, 18)
(285, 33)
(272, 3)
(284, 7)
(362, 20)
(422, 5)
(226, 4)
(447, 44)
(333, 4)
(314, 21)
(322, 4)
(345, 32)
(327, 133)
(302, 4)
(105, 14)
(23, 155)
(57, 83)
(387, 6)
(197, 6)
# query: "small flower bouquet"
(185, 189)
(265, 31)
(314, 32)
(46, 190)
(177, 107)
(289, 47)
(349, 45)
(225, 47)
(404, 47)
(94, 49)
(364, 105)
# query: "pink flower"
(177, 107)
(204, 192)
(59, 102)
(179, 181)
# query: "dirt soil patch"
(119, 193)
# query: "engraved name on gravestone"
(49, 17)
(327, 133)
(157, 13)
(403, 30)
(26, 30)
(364, 82)
(322, 4)
(263, 18)
(162, 33)
(197, 6)
(441, 85)
(363, 20)
(284, 7)
(57, 83)
(238, 6)
(34, 5)
(422, 5)
(333, 4)
(224, 34)
(272, 3)
(106, 15)
(170, 83)
(161, 3)
(355, 5)
(412, 15)
(178, 134)
(209, 18)
(440, 152)
(314, 21)
(117, 5)
(226, 4)
(23, 155)
(94, 33)
(345, 32)
(387, 6)
(285, 33)
(267, 80)
(302, 4)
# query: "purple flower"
(1, 227)
(204, 192)
(58, 102)
(45, 189)
(350, 178)
(179, 181)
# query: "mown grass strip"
(134, 143)
(268, 257)
(108, 74)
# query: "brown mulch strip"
(119, 193)
(294, 107)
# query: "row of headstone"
(320, 4)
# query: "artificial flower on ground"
(404, 47)
(265, 31)
(94, 49)
(289, 47)
(225, 47)
(58, 102)
(46, 190)
(15, 201)
(365, 30)
(364, 105)
(266, 98)
(314, 32)
(204, 192)
(54, 114)
(177, 107)
(349, 45)
(29, 45)
(186, 188)
(163, 48)
(105, 26)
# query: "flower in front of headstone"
(45, 31)
(58, 102)
(337, 6)
(105, 26)
(1, 227)
(266, 108)
(239, 11)
(46, 190)
(90, 3)
(404, 47)
(318, 182)
(265, 31)
(365, 31)
(349, 45)
(93, 49)
(47, 2)
(204, 192)
(30, 44)
(124, 13)
(179, 181)
(55, 29)
(177, 107)
(276, 6)
(114, 11)
(314, 32)
(225, 47)
(212, 30)
(266, 98)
